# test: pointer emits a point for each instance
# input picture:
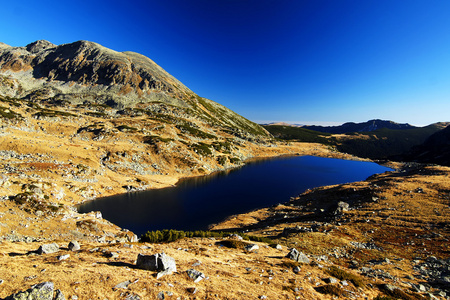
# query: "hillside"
(87, 74)
(436, 149)
(377, 144)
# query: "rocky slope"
(86, 73)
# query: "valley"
(79, 121)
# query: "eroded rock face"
(90, 68)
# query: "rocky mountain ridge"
(368, 126)
(86, 73)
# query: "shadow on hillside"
(118, 264)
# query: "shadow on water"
(197, 202)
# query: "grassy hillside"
(297, 133)
(378, 144)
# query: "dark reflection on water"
(197, 202)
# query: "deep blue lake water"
(198, 202)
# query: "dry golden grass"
(69, 167)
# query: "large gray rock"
(156, 262)
(48, 248)
(298, 256)
(41, 291)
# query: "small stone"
(122, 285)
(279, 247)
(192, 290)
(251, 247)
(48, 248)
(195, 275)
(331, 280)
(63, 257)
(112, 254)
(297, 269)
(197, 263)
(74, 246)
(160, 296)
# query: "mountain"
(436, 149)
(86, 73)
(368, 126)
(381, 143)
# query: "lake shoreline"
(261, 182)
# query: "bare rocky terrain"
(80, 121)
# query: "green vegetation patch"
(126, 128)
(201, 149)
(13, 101)
(184, 128)
(6, 113)
(31, 202)
(155, 139)
(330, 289)
(170, 235)
(52, 113)
(297, 133)
(224, 147)
(343, 275)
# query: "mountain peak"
(39, 46)
(85, 72)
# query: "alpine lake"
(195, 203)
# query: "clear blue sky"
(314, 61)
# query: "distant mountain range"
(368, 126)
(374, 139)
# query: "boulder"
(48, 248)
(41, 291)
(298, 256)
(156, 262)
